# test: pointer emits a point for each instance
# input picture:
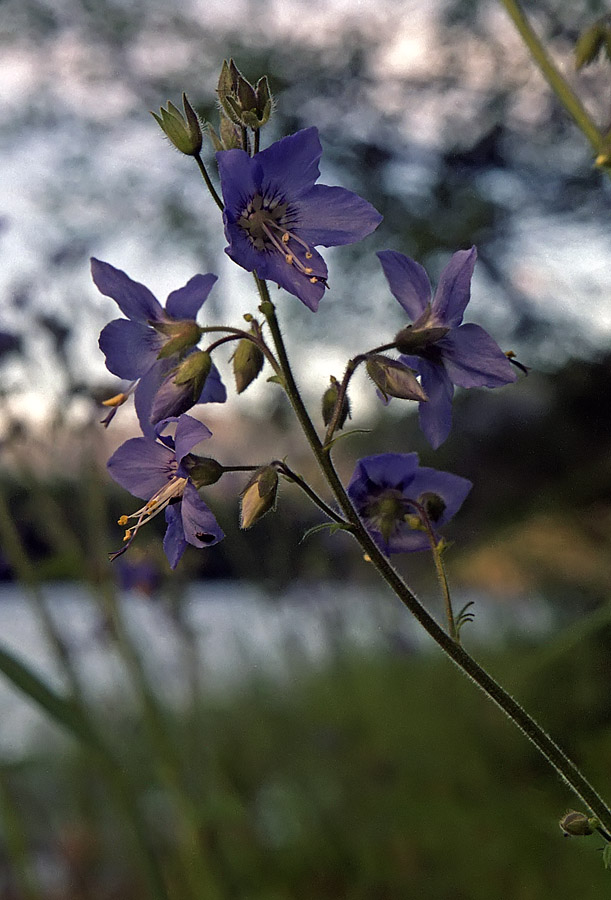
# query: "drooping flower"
(391, 490)
(437, 345)
(160, 471)
(147, 345)
(275, 214)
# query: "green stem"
(567, 770)
(209, 185)
(558, 83)
(311, 493)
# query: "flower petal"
(141, 466)
(381, 470)
(451, 488)
(473, 359)
(186, 302)
(130, 348)
(435, 415)
(408, 282)
(189, 433)
(289, 166)
(333, 216)
(174, 543)
(146, 391)
(214, 390)
(200, 527)
(133, 299)
(240, 180)
(454, 288)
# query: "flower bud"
(412, 340)
(576, 824)
(184, 131)
(181, 389)
(204, 470)
(181, 336)
(595, 38)
(329, 402)
(259, 496)
(248, 361)
(394, 379)
(243, 104)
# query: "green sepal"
(182, 336)
(194, 370)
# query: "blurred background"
(326, 749)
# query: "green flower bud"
(329, 402)
(394, 378)
(194, 370)
(576, 824)
(243, 104)
(412, 340)
(259, 496)
(248, 360)
(182, 335)
(184, 131)
(591, 42)
(204, 470)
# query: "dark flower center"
(267, 223)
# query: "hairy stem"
(567, 770)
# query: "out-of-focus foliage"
(430, 111)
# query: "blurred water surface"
(238, 631)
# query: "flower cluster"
(275, 214)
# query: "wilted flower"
(437, 346)
(148, 343)
(390, 489)
(275, 214)
(159, 471)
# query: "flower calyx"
(413, 340)
(181, 336)
(204, 470)
(259, 496)
(183, 130)
(394, 378)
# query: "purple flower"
(157, 470)
(391, 492)
(437, 346)
(146, 346)
(275, 214)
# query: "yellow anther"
(286, 237)
(308, 255)
(289, 258)
(313, 280)
(117, 400)
(127, 535)
(123, 520)
(308, 270)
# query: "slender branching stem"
(209, 185)
(567, 769)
